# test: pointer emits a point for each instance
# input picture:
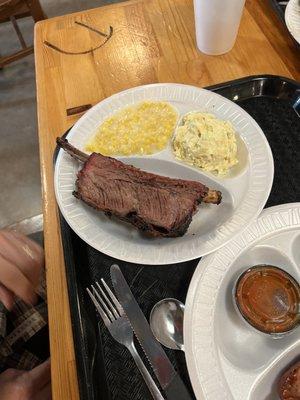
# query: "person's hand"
(21, 263)
(26, 385)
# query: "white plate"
(245, 191)
(292, 18)
(226, 357)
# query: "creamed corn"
(144, 128)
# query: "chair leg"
(17, 29)
(16, 56)
(37, 14)
(36, 10)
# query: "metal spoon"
(166, 322)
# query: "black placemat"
(279, 6)
(105, 368)
(281, 126)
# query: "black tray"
(279, 8)
(105, 368)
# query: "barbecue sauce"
(269, 299)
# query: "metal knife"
(167, 376)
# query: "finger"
(6, 297)
(11, 250)
(30, 248)
(13, 279)
(40, 375)
(20, 251)
(35, 247)
(44, 393)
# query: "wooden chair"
(11, 10)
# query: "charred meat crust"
(158, 206)
(289, 383)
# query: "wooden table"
(153, 41)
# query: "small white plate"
(292, 18)
(226, 357)
(245, 190)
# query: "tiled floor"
(20, 196)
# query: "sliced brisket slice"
(157, 205)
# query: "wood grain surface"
(152, 41)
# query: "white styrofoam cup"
(217, 23)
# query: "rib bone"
(77, 154)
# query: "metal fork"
(119, 327)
